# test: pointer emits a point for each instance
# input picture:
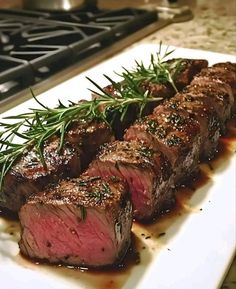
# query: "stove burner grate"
(35, 45)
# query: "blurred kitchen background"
(213, 27)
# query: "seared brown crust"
(89, 136)
(148, 174)
(222, 77)
(191, 67)
(200, 109)
(222, 73)
(133, 153)
(218, 95)
(226, 65)
(81, 222)
(90, 192)
(29, 176)
(171, 131)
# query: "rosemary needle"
(42, 123)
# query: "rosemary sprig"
(43, 122)
(158, 71)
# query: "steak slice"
(221, 86)
(29, 176)
(221, 77)
(89, 136)
(224, 72)
(226, 65)
(154, 89)
(147, 173)
(172, 132)
(82, 222)
(188, 70)
(201, 109)
(221, 99)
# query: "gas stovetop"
(36, 45)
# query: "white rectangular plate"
(198, 244)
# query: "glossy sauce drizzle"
(148, 239)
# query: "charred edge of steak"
(189, 68)
(226, 65)
(28, 175)
(147, 173)
(89, 136)
(202, 110)
(218, 96)
(81, 222)
(171, 131)
(222, 73)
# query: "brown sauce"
(147, 238)
(110, 278)
(10, 224)
(231, 127)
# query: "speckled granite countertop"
(212, 28)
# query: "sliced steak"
(225, 73)
(221, 76)
(83, 222)
(89, 136)
(29, 176)
(154, 89)
(146, 172)
(187, 69)
(226, 65)
(229, 77)
(201, 109)
(220, 98)
(174, 133)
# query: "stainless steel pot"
(59, 5)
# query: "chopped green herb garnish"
(146, 152)
(115, 178)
